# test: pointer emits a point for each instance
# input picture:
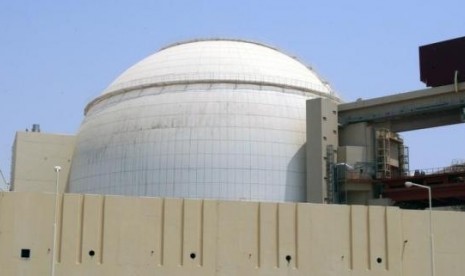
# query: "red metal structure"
(447, 187)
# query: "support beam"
(432, 107)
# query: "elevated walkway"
(431, 107)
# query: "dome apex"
(219, 60)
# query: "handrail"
(441, 170)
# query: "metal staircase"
(383, 154)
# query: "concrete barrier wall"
(113, 235)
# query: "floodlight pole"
(409, 184)
(57, 170)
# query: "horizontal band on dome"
(332, 95)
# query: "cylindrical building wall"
(225, 129)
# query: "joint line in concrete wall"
(60, 230)
(81, 228)
(202, 221)
(351, 239)
(102, 229)
(259, 209)
(162, 232)
(182, 231)
(296, 235)
(386, 239)
(368, 238)
(277, 235)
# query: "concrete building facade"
(34, 156)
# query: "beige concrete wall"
(35, 155)
(361, 135)
(155, 236)
(322, 130)
(351, 155)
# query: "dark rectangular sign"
(440, 61)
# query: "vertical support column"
(322, 131)
(192, 233)
(92, 227)
(173, 236)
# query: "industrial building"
(227, 157)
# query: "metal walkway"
(447, 188)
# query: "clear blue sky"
(56, 56)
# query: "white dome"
(219, 60)
(220, 119)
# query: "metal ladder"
(383, 146)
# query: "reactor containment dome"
(218, 119)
